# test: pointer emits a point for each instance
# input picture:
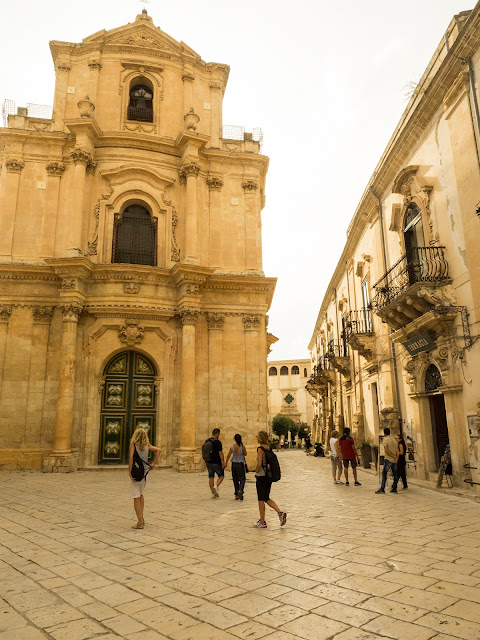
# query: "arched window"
(284, 371)
(433, 379)
(304, 373)
(413, 228)
(135, 236)
(295, 370)
(140, 105)
(272, 371)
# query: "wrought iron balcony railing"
(418, 264)
(337, 350)
(359, 322)
(143, 114)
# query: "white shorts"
(137, 488)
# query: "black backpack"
(207, 450)
(272, 466)
(138, 469)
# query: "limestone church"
(131, 283)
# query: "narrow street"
(348, 565)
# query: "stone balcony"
(415, 285)
(322, 375)
(359, 332)
(337, 355)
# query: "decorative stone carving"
(216, 87)
(100, 384)
(249, 186)
(95, 66)
(81, 156)
(131, 288)
(69, 283)
(189, 169)
(55, 168)
(14, 166)
(92, 246)
(140, 127)
(142, 39)
(251, 322)
(191, 120)
(5, 312)
(42, 315)
(86, 107)
(215, 320)
(175, 251)
(188, 77)
(92, 166)
(131, 332)
(63, 67)
(71, 311)
(192, 289)
(214, 183)
(188, 315)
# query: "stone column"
(189, 172)
(216, 323)
(8, 203)
(61, 84)
(94, 67)
(49, 241)
(36, 380)
(61, 458)
(81, 158)
(215, 245)
(216, 92)
(253, 232)
(188, 80)
(5, 312)
(186, 457)
(251, 325)
(457, 436)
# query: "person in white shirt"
(336, 458)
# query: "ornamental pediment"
(143, 37)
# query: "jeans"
(386, 466)
(402, 472)
(238, 476)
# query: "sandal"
(137, 526)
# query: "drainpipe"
(392, 344)
(473, 105)
(338, 338)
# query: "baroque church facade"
(132, 290)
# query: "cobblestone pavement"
(348, 565)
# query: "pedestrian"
(336, 458)
(401, 461)
(140, 442)
(308, 444)
(282, 442)
(264, 484)
(215, 464)
(389, 461)
(349, 456)
(238, 451)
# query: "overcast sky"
(324, 80)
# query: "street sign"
(417, 344)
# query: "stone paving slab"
(348, 565)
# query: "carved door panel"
(128, 402)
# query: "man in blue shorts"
(216, 464)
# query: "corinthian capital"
(215, 320)
(71, 311)
(55, 168)
(188, 315)
(42, 315)
(189, 169)
(14, 166)
(5, 311)
(214, 183)
(251, 322)
(81, 156)
(249, 186)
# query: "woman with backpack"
(140, 443)
(264, 483)
(239, 452)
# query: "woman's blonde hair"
(262, 437)
(335, 434)
(140, 438)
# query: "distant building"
(287, 396)
(396, 341)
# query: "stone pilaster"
(252, 324)
(216, 93)
(8, 203)
(253, 231)
(5, 312)
(215, 322)
(186, 456)
(188, 80)
(189, 173)
(62, 459)
(215, 185)
(81, 159)
(62, 70)
(54, 173)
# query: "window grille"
(135, 237)
(140, 106)
(272, 371)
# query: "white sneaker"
(338, 482)
(260, 525)
(215, 492)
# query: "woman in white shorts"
(140, 442)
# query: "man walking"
(216, 464)
(389, 461)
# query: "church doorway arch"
(128, 402)
(438, 414)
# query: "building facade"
(132, 290)
(396, 341)
(286, 391)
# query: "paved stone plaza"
(348, 565)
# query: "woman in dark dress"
(401, 462)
